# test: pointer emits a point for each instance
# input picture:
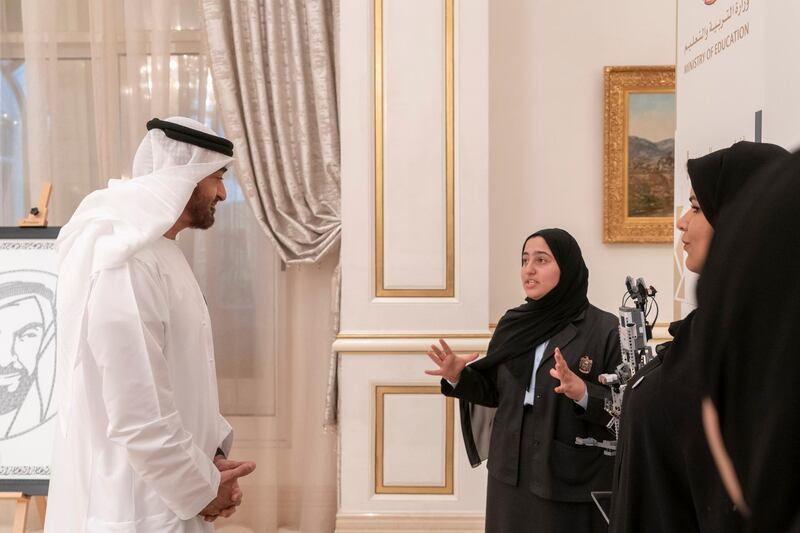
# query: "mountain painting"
(650, 154)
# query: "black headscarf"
(735, 165)
(535, 321)
(524, 327)
(749, 308)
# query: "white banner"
(737, 79)
(720, 97)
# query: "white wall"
(782, 75)
(388, 322)
(410, 222)
(546, 62)
(544, 137)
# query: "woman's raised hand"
(450, 364)
(571, 385)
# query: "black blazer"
(563, 471)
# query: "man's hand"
(571, 385)
(222, 465)
(229, 495)
(450, 364)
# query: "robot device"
(634, 332)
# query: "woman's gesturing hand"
(450, 364)
(571, 385)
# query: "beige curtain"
(273, 66)
(79, 80)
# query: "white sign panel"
(720, 79)
(27, 352)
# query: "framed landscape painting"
(639, 154)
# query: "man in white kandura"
(140, 445)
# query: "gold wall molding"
(405, 523)
(661, 333)
(411, 345)
(380, 487)
(448, 291)
(444, 336)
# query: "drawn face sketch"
(27, 342)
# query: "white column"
(414, 119)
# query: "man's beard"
(11, 401)
(201, 211)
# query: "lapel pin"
(585, 364)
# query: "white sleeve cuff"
(225, 436)
(583, 402)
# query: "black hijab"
(521, 329)
(747, 323)
(524, 327)
(717, 177)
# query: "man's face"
(202, 204)
(22, 329)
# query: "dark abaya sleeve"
(478, 396)
(478, 387)
(595, 412)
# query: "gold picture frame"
(638, 170)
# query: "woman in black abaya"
(539, 479)
(751, 409)
(665, 480)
